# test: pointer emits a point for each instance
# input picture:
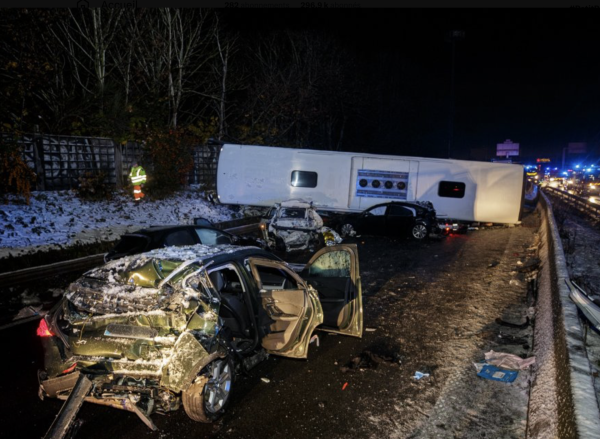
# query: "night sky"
(529, 75)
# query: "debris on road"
(265, 380)
(490, 372)
(508, 361)
(529, 265)
(513, 325)
(29, 311)
(345, 385)
(418, 375)
(367, 360)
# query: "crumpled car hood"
(138, 283)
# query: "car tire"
(208, 397)
(320, 241)
(347, 231)
(316, 242)
(419, 231)
(280, 244)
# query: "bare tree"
(303, 91)
(37, 76)
(186, 52)
(86, 36)
(170, 47)
(226, 49)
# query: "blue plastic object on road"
(490, 372)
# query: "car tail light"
(43, 330)
(70, 369)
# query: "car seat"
(233, 309)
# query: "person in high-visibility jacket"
(137, 176)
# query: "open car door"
(333, 272)
(290, 311)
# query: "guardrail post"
(62, 423)
(118, 165)
(38, 157)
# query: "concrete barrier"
(562, 402)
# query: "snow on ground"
(60, 219)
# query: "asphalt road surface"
(433, 307)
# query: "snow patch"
(58, 219)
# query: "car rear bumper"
(52, 387)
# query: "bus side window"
(451, 189)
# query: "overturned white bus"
(345, 181)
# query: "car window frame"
(173, 232)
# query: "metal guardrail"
(580, 203)
(33, 274)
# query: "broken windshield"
(293, 213)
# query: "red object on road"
(43, 330)
(344, 386)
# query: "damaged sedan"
(295, 225)
(172, 327)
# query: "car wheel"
(207, 399)
(347, 231)
(419, 231)
(280, 244)
(320, 241)
(316, 242)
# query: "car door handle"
(277, 313)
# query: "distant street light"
(453, 36)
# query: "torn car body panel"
(335, 274)
(187, 359)
(152, 326)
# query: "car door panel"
(333, 295)
(334, 273)
(290, 310)
(285, 308)
(373, 221)
(399, 220)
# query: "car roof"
(403, 203)
(204, 253)
(159, 229)
(296, 203)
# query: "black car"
(416, 219)
(168, 236)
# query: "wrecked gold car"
(172, 327)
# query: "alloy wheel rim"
(419, 231)
(347, 230)
(218, 387)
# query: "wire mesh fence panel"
(60, 161)
(66, 159)
(205, 166)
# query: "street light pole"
(453, 37)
